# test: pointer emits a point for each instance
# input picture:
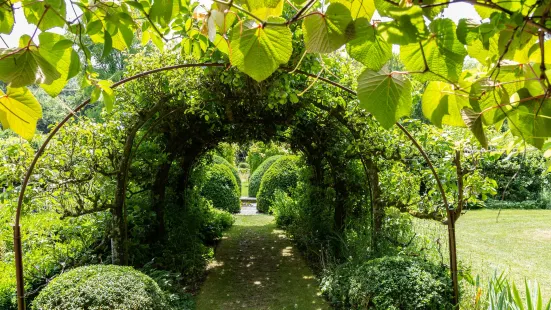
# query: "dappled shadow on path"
(257, 267)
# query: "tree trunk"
(377, 208)
(158, 193)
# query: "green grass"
(245, 188)
(257, 267)
(519, 243)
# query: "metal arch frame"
(18, 258)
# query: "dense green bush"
(392, 282)
(282, 175)
(256, 176)
(101, 287)
(219, 186)
(260, 151)
(220, 160)
(522, 205)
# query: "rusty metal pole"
(19, 267)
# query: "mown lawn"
(245, 188)
(518, 242)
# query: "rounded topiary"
(101, 287)
(282, 175)
(220, 187)
(256, 176)
(221, 160)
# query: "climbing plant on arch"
(511, 83)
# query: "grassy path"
(257, 267)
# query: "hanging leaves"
(325, 33)
(19, 111)
(386, 95)
(442, 104)
(368, 47)
(259, 51)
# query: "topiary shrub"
(256, 176)
(219, 186)
(282, 175)
(101, 287)
(221, 160)
(391, 282)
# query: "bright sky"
(455, 12)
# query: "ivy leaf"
(57, 52)
(443, 52)
(368, 47)
(45, 14)
(358, 8)
(266, 8)
(6, 21)
(325, 33)
(25, 66)
(258, 51)
(19, 111)
(442, 105)
(408, 26)
(473, 120)
(387, 96)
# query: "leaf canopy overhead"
(508, 43)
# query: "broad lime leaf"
(61, 58)
(107, 94)
(26, 66)
(221, 44)
(408, 26)
(443, 105)
(358, 8)
(19, 111)
(368, 47)
(258, 51)
(531, 120)
(486, 55)
(432, 12)
(50, 13)
(6, 21)
(387, 96)
(162, 11)
(325, 33)
(266, 8)
(443, 52)
(473, 120)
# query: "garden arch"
(122, 178)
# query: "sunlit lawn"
(519, 243)
(244, 188)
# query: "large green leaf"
(408, 26)
(387, 96)
(531, 120)
(266, 8)
(358, 8)
(473, 120)
(26, 66)
(6, 21)
(368, 47)
(443, 105)
(325, 33)
(258, 51)
(53, 48)
(162, 11)
(443, 52)
(49, 13)
(19, 111)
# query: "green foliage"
(220, 186)
(227, 151)
(220, 160)
(258, 152)
(256, 177)
(521, 205)
(282, 175)
(392, 282)
(85, 287)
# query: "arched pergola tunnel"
(243, 119)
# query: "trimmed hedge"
(391, 282)
(521, 205)
(282, 175)
(101, 287)
(219, 186)
(221, 160)
(256, 176)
